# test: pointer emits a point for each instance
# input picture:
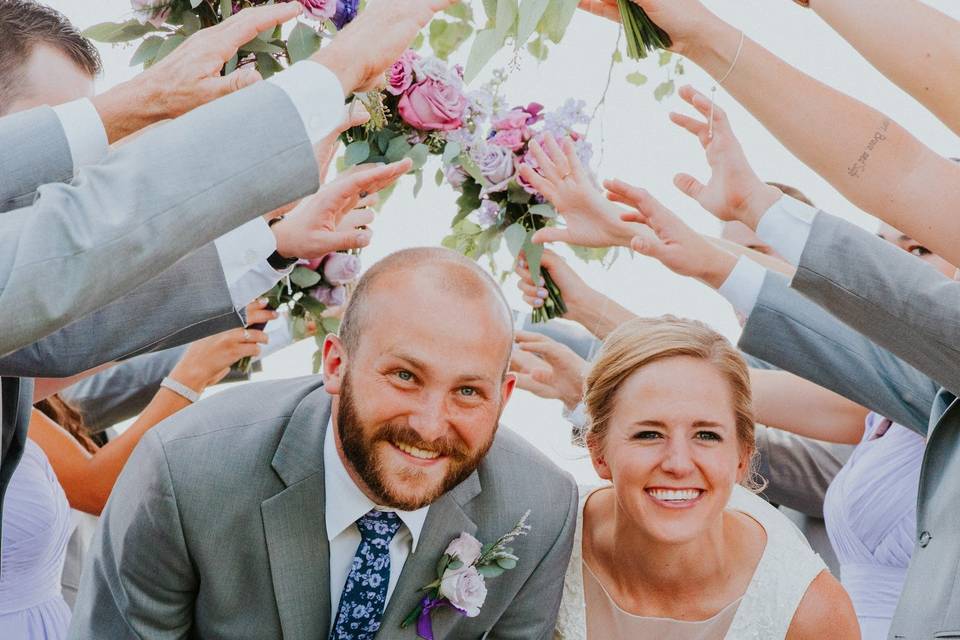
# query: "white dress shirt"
(786, 227)
(345, 504)
(319, 100)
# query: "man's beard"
(360, 451)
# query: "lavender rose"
(433, 106)
(155, 12)
(488, 214)
(465, 589)
(401, 74)
(320, 9)
(330, 296)
(455, 176)
(340, 268)
(496, 163)
(465, 548)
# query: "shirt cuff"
(280, 337)
(243, 255)
(84, 130)
(317, 95)
(742, 287)
(786, 227)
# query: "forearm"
(786, 401)
(872, 161)
(599, 314)
(768, 262)
(128, 107)
(927, 69)
(43, 388)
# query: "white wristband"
(180, 389)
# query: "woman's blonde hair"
(643, 341)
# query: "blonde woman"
(674, 547)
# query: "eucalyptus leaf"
(312, 306)
(259, 46)
(119, 32)
(557, 18)
(506, 563)
(357, 152)
(506, 18)
(419, 154)
(302, 43)
(533, 253)
(168, 46)
(531, 11)
(663, 90)
(147, 50)
(664, 58)
(485, 46)
(442, 564)
(516, 236)
(490, 571)
(317, 361)
(191, 23)
(538, 49)
(397, 149)
(461, 11)
(637, 78)
(267, 65)
(451, 151)
(304, 278)
(195, 3)
(418, 183)
(446, 37)
(438, 177)
(543, 210)
(330, 325)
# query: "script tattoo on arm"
(860, 165)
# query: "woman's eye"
(920, 251)
(709, 435)
(646, 435)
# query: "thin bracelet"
(713, 89)
(180, 389)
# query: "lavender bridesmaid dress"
(871, 515)
(36, 528)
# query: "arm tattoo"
(860, 165)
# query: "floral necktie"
(364, 595)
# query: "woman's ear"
(599, 461)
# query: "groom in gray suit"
(321, 506)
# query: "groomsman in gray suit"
(320, 507)
(72, 248)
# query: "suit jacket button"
(925, 538)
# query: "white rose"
(466, 548)
(465, 589)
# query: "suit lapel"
(294, 524)
(445, 521)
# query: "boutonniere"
(462, 572)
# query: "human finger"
(557, 156)
(243, 26)
(551, 234)
(548, 168)
(260, 316)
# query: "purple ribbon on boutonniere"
(424, 623)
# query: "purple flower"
(346, 12)
(401, 74)
(433, 106)
(487, 215)
(330, 296)
(496, 164)
(340, 268)
(455, 176)
(512, 139)
(155, 12)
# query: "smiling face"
(671, 448)
(418, 398)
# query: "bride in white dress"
(673, 548)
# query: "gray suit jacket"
(172, 190)
(216, 530)
(911, 309)
(34, 152)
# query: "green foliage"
(357, 152)
(304, 278)
(637, 78)
(302, 43)
(119, 32)
(147, 51)
(664, 90)
(168, 46)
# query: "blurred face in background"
(50, 78)
(911, 246)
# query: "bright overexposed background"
(639, 145)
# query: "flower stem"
(553, 306)
(643, 35)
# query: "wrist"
(189, 377)
(114, 108)
(331, 58)
(718, 267)
(758, 203)
(712, 46)
(278, 226)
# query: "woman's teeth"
(675, 495)
(422, 454)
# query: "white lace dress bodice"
(785, 571)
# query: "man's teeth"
(418, 453)
(675, 495)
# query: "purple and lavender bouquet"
(495, 202)
(165, 24)
(312, 289)
(421, 103)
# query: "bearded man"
(320, 507)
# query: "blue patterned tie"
(365, 593)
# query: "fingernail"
(538, 303)
(262, 301)
(523, 263)
(542, 293)
(542, 282)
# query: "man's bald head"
(429, 271)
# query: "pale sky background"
(640, 145)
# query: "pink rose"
(340, 268)
(515, 119)
(330, 296)
(401, 74)
(320, 9)
(512, 139)
(465, 589)
(465, 548)
(433, 106)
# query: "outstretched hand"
(734, 192)
(548, 368)
(670, 241)
(575, 291)
(562, 179)
(312, 229)
(685, 20)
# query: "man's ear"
(334, 360)
(506, 389)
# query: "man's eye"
(468, 392)
(405, 375)
(709, 435)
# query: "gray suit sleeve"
(798, 470)
(33, 151)
(796, 335)
(533, 613)
(186, 302)
(138, 581)
(902, 303)
(172, 190)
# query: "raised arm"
(927, 69)
(874, 162)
